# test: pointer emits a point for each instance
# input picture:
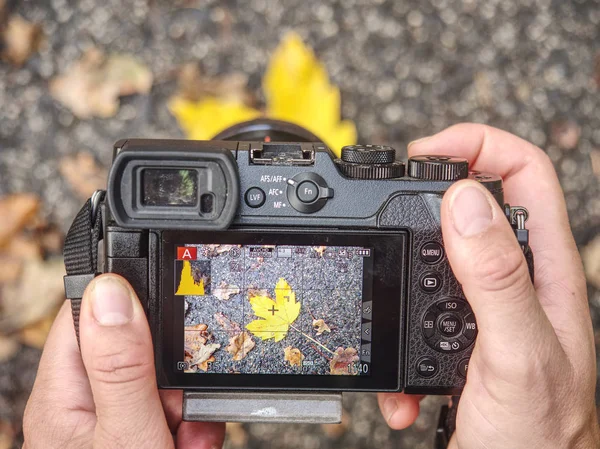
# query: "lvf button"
(431, 282)
(431, 252)
(255, 197)
(427, 367)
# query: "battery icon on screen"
(284, 252)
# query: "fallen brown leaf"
(595, 157)
(320, 326)
(10, 269)
(294, 356)
(35, 334)
(7, 434)
(231, 327)
(37, 293)
(21, 39)
(93, 85)
(225, 291)
(16, 211)
(236, 435)
(591, 261)
(342, 360)
(25, 247)
(565, 134)
(240, 345)
(83, 173)
(8, 348)
(193, 86)
(335, 431)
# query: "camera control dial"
(370, 162)
(438, 168)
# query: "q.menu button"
(431, 253)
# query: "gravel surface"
(405, 69)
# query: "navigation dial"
(438, 168)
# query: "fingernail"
(390, 405)
(422, 139)
(111, 302)
(471, 211)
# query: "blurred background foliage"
(76, 75)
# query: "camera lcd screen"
(275, 309)
(169, 187)
(282, 310)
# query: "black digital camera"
(264, 262)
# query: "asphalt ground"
(405, 70)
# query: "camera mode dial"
(438, 168)
(370, 162)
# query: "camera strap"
(81, 254)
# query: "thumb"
(117, 352)
(489, 263)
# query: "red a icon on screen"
(186, 253)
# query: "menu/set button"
(431, 252)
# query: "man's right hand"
(532, 374)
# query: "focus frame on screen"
(387, 288)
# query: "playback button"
(430, 282)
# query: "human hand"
(532, 374)
(107, 396)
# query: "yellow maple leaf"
(277, 315)
(204, 119)
(297, 89)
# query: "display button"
(470, 327)
(451, 305)
(431, 252)
(429, 324)
(449, 324)
(366, 332)
(449, 346)
(463, 365)
(427, 367)
(431, 282)
(255, 197)
(307, 191)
